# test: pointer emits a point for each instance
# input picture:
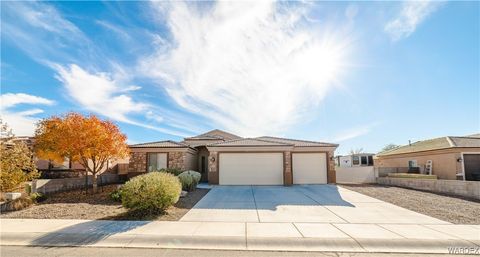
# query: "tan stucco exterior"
(445, 164)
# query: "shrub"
(18, 204)
(151, 192)
(174, 171)
(116, 195)
(38, 197)
(16, 164)
(189, 179)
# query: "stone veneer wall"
(212, 168)
(331, 174)
(456, 187)
(287, 169)
(137, 162)
(176, 160)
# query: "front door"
(204, 168)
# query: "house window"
(370, 160)
(363, 160)
(156, 161)
(412, 164)
(355, 160)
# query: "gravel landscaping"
(77, 205)
(453, 209)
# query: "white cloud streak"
(103, 94)
(250, 67)
(409, 18)
(354, 132)
(22, 123)
(10, 100)
(41, 31)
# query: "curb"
(233, 243)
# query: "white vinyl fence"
(356, 175)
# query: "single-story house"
(227, 159)
(452, 157)
(355, 160)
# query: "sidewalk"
(329, 237)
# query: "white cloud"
(249, 67)
(21, 122)
(101, 93)
(97, 92)
(411, 15)
(41, 31)
(10, 100)
(47, 36)
(354, 132)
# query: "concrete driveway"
(309, 203)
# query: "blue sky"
(361, 74)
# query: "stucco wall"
(360, 175)
(190, 160)
(445, 164)
(456, 187)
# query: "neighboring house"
(50, 167)
(452, 157)
(355, 160)
(226, 159)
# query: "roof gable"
(434, 144)
(250, 142)
(160, 144)
(296, 142)
(214, 135)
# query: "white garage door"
(251, 169)
(309, 168)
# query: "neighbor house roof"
(160, 144)
(296, 142)
(435, 144)
(214, 134)
(250, 142)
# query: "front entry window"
(156, 161)
(204, 165)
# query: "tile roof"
(296, 142)
(435, 144)
(250, 142)
(214, 134)
(465, 141)
(160, 144)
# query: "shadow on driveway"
(86, 233)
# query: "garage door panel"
(309, 168)
(251, 169)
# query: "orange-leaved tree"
(85, 139)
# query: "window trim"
(148, 160)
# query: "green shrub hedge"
(174, 171)
(116, 195)
(38, 197)
(189, 179)
(151, 192)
